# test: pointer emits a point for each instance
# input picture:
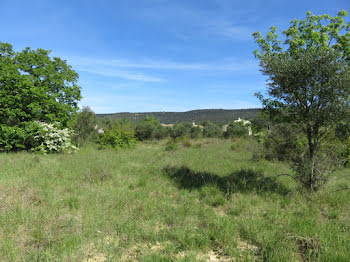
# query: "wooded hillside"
(214, 115)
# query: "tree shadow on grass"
(244, 181)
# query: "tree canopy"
(34, 86)
(308, 79)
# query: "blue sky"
(156, 55)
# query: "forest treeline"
(218, 116)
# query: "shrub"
(13, 138)
(236, 129)
(172, 146)
(51, 138)
(212, 130)
(121, 136)
(195, 132)
(150, 128)
(181, 130)
(186, 142)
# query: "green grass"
(192, 203)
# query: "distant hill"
(221, 116)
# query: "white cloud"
(121, 67)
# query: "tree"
(34, 87)
(308, 85)
(85, 126)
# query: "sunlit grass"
(199, 201)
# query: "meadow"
(207, 200)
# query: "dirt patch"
(308, 247)
(215, 256)
(101, 257)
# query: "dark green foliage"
(36, 87)
(14, 138)
(120, 136)
(281, 142)
(171, 145)
(33, 87)
(85, 126)
(236, 129)
(150, 128)
(212, 130)
(181, 130)
(308, 86)
(219, 116)
(195, 132)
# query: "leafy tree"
(150, 128)
(212, 130)
(85, 126)
(34, 87)
(181, 130)
(236, 129)
(309, 85)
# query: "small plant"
(186, 142)
(171, 145)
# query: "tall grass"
(150, 204)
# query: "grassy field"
(205, 202)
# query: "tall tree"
(308, 84)
(34, 87)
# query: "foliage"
(282, 142)
(150, 128)
(181, 130)
(35, 87)
(14, 138)
(195, 132)
(171, 146)
(85, 126)
(308, 82)
(120, 136)
(212, 130)
(52, 138)
(236, 129)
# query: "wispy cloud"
(122, 68)
(112, 72)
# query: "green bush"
(36, 136)
(150, 128)
(13, 138)
(171, 146)
(181, 130)
(236, 129)
(212, 130)
(195, 132)
(121, 136)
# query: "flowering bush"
(51, 138)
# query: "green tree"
(150, 128)
(212, 130)
(308, 85)
(85, 126)
(34, 87)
